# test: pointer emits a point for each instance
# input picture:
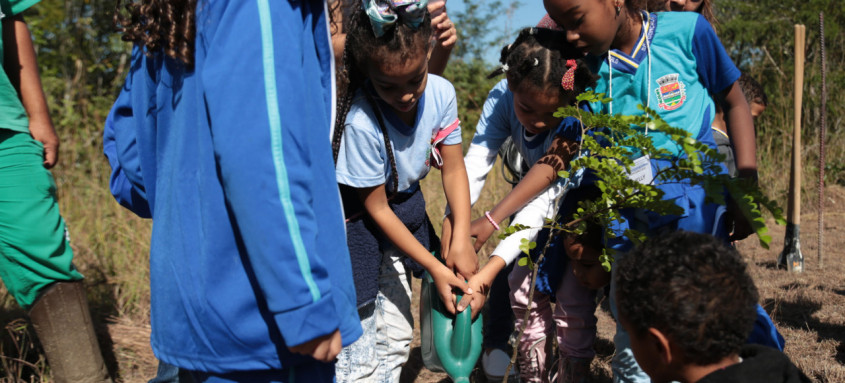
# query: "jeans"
(380, 352)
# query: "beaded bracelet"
(492, 221)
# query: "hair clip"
(505, 67)
(384, 14)
(532, 31)
(536, 61)
(568, 80)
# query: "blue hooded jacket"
(232, 160)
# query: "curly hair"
(693, 288)
(538, 57)
(397, 45)
(752, 90)
(159, 25)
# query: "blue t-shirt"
(686, 63)
(498, 121)
(363, 161)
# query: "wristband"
(492, 221)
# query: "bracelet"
(492, 221)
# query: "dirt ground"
(808, 308)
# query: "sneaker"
(495, 362)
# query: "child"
(521, 107)
(35, 253)
(644, 67)
(394, 122)
(687, 301)
(220, 135)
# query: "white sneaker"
(494, 362)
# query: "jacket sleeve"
(264, 91)
(120, 148)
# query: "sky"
(527, 14)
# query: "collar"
(629, 63)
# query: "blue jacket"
(232, 160)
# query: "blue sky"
(527, 14)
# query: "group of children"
(221, 134)
(401, 121)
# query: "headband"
(568, 80)
(385, 13)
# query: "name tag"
(641, 171)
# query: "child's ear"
(665, 350)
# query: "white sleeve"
(532, 215)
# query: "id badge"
(641, 170)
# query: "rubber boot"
(63, 324)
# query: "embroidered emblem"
(671, 93)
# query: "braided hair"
(538, 57)
(397, 45)
(166, 25)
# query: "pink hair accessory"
(492, 221)
(568, 81)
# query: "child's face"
(646, 353)
(535, 108)
(685, 5)
(400, 85)
(756, 109)
(585, 264)
(590, 24)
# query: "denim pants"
(378, 355)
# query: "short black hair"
(752, 90)
(692, 287)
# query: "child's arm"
(542, 174)
(741, 131)
(461, 254)
(22, 68)
(375, 202)
(120, 147)
(445, 35)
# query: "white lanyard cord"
(610, 69)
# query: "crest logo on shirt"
(671, 93)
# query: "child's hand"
(481, 230)
(444, 30)
(741, 227)
(324, 348)
(44, 133)
(480, 285)
(463, 258)
(446, 281)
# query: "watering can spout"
(449, 343)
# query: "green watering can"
(451, 344)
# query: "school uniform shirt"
(363, 161)
(677, 62)
(498, 121)
(232, 160)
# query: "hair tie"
(568, 80)
(384, 14)
(536, 61)
(505, 68)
